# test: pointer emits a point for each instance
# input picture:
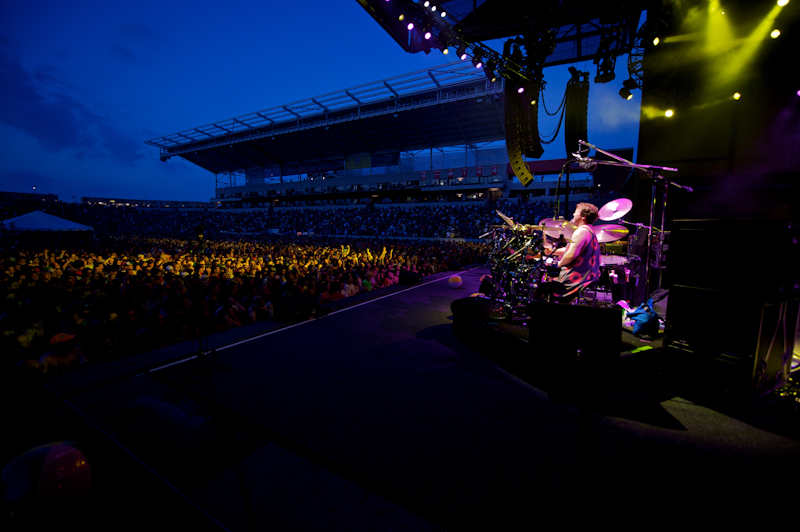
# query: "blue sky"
(85, 83)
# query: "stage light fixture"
(410, 26)
(656, 41)
(533, 102)
(627, 86)
(476, 61)
(402, 18)
(433, 8)
(491, 64)
(461, 51)
(775, 34)
(783, 2)
(520, 90)
(669, 113)
(444, 14)
(427, 35)
(736, 96)
(464, 56)
(427, 3)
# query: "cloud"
(25, 180)
(40, 106)
(123, 55)
(141, 33)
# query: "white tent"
(41, 221)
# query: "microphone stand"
(651, 171)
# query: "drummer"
(580, 259)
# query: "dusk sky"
(86, 83)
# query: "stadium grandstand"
(431, 136)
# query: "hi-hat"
(558, 228)
(614, 210)
(610, 233)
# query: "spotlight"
(433, 8)
(402, 18)
(491, 64)
(775, 34)
(656, 41)
(427, 3)
(445, 51)
(410, 26)
(477, 62)
(461, 51)
(736, 96)
(669, 113)
(427, 35)
(627, 86)
(533, 102)
(444, 14)
(520, 90)
(783, 2)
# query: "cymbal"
(506, 219)
(614, 210)
(526, 227)
(557, 228)
(610, 232)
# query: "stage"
(382, 416)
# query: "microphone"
(586, 163)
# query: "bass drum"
(615, 276)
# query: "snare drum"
(613, 260)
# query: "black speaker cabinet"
(736, 255)
(579, 345)
(733, 344)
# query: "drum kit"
(519, 259)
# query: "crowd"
(146, 279)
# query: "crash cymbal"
(506, 219)
(556, 228)
(614, 210)
(610, 232)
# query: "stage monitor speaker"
(580, 344)
(728, 344)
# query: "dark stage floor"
(379, 417)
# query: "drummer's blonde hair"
(588, 211)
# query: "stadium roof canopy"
(454, 104)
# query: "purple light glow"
(798, 93)
(410, 26)
(427, 35)
(521, 90)
(478, 64)
(463, 56)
